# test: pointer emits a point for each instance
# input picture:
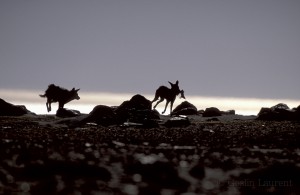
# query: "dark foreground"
(40, 156)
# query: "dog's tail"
(156, 97)
(43, 95)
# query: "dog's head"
(175, 87)
(74, 93)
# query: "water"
(243, 106)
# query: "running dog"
(57, 94)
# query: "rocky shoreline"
(193, 154)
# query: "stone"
(280, 106)
(102, 115)
(178, 122)
(278, 112)
(211, 112)
(185, 108)
(267, 114)
(137, 109)
(200, 112)
(8, 109)
(137, 102)
(65, 113)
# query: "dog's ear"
(73, 89)
(177, 82)
(77, 89)
(170, 83)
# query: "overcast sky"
(231, 48)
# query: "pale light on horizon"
(36, 104)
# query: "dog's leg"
(171, 106)
(48, 104)
(155, 98)
(162, 99)
(166, 107)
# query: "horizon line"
(88, 99)
(27, 94)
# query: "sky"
(219, 48)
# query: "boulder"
(211, 112)
(279, 112)
(267, 114)
(280, 106)
(102, 115)
(185, 108)
(137, 109)
(8, 109)
(137, 102)
(65, 113)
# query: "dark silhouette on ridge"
(57, 94)
(164, 92)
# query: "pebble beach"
(236, 154)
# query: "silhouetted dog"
(164, 92)
(57, 94)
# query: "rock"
(137, 109)
(278, 112)
(297, 113)
(137, 102)
(185, 108)
(178, 122)
(102, 115)
(200, 112)
(64, 113)
(8, 109)
(280, 106)
(211, 112)
(267, 114)
(228, 112)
